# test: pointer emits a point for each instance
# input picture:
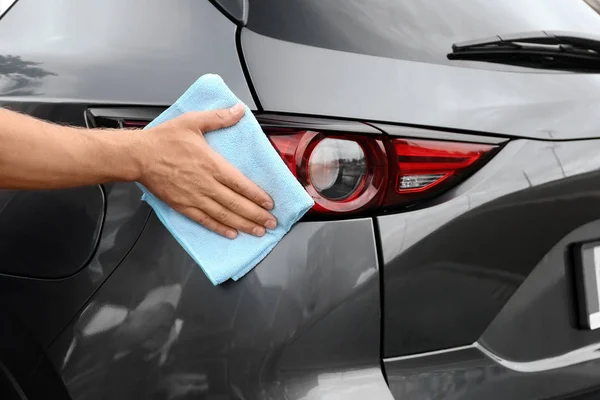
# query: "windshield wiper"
(541, 49)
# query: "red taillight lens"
(423, 164)
(347, 173)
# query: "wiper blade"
(541, 49)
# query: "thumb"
(207, 121)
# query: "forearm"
(39, 155)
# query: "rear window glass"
(418, 30)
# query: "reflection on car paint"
(303, 324)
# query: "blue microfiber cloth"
(246, 147)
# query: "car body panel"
(44, 306)
(296, 78)
(303, 323)
(451, 267)
(490, 264)
(548, 327)
(115, 51)
(35, 220)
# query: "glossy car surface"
(469, 295)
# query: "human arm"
(173, 160)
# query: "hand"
(180, 168)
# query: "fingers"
(208, 222)
(207, 121)
(227, 217)
(240, 205)
(232, 178)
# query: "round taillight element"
(337, 168)
(341, 173)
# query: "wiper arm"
(541, 49)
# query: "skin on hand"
(179, 167)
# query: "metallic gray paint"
(468, 373)
(304, 324)
(44, 307)
(290, 77)
(35, 242)
(548, 327)
(487, 239)
(115, 51)
(501, 275)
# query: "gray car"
(452, 149)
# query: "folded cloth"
(246, 147)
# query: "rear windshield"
(418, 30)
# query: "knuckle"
(236, 185)
(222, 215)
(188, 119)
(216, 173)
(262, 217)
(221, 115)
(203, 219)
(210, 193)
(233, 204)
(256, 197)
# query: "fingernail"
(268, 205)
(237, 109)
(258, 231)
(231, 234)
(271, 224)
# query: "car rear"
(452, 200)
(481, 275)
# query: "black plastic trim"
(381, 270)
(92, 115)
(435, 134)
(318, 124)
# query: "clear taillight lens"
(348, 173)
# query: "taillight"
(352, 173)
(349, 173)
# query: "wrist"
(122, 152)
(135, 143)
